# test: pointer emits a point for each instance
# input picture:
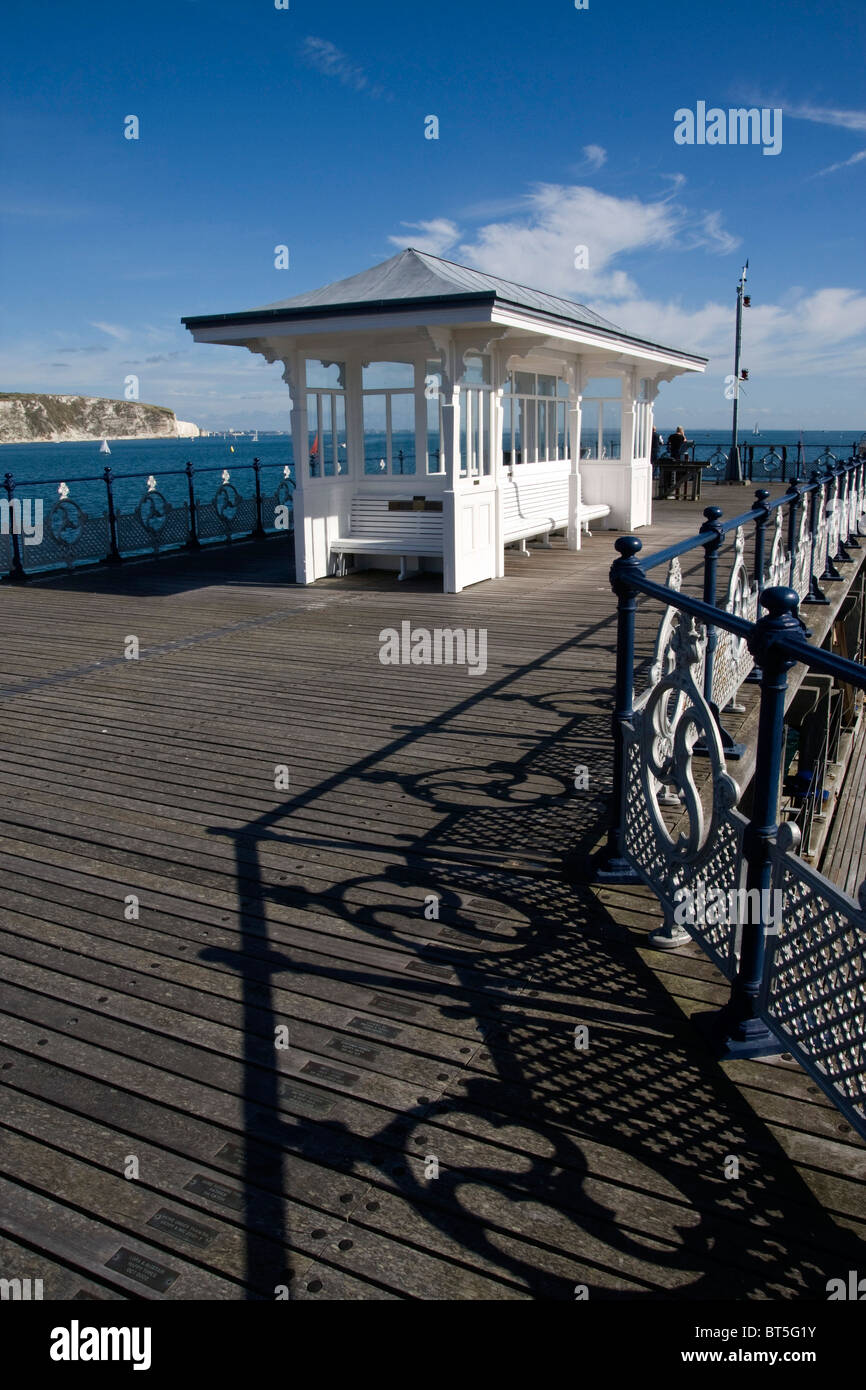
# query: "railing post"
(259, 532)
(16, 573)
(796, 498)
(815, 594)
(852, 495)
(712, 528)
(114, 556)
(745, 1033)
(193, 542)
(613, 866)
(761, 498)
(841, 503)
(760, 504)
(831, 497)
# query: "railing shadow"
(602, 1166)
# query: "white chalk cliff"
(27, 418)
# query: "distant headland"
(31, 418)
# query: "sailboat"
(103, 448)
(756, 430)
(256, 437)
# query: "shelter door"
(476, 535)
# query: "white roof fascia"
(608, 342)
(349, 325)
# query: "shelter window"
(326, 419)
(388, 391)
(601, 419)
(535, 418)
(476, 417)
(433, 409)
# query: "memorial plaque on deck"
(392, 1004)
(339, 1078)
(425, 967)
(141, 1269)
(374, 1027)
(304, 1098)
(350, 1048)
(215, 1192)
(463, 935)
(182, 1228)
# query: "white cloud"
(328, 59)
(538, 246)
(843, 164)
(596, 155)
(436, 237)
(828, 115)
(113, 330)
(812, 333)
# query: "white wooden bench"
(591, 511)
(533, 508)
(377, 528)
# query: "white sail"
(103, 448)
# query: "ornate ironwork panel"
(733, 660)
(822, 531)
(281, 497)
(154, 524)
(779, 566)
(803, 555)
(228, 513)
(814, 995)
(70, 536)
(678, 836)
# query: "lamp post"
(734, 472)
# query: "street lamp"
(734, 472)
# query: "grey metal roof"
(417, 277)
(415, 274)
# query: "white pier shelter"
(440, 414)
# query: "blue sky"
(305, 126)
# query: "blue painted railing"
(792, 945)
(770, 461)
(153, 517)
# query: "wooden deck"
(148, 1047)
(844, 859)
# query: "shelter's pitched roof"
(415, 277)
(415, 274)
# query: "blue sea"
(38, 469)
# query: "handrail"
(790, 966)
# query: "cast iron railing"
(68, 535)
(792, 945)
(784, 462)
